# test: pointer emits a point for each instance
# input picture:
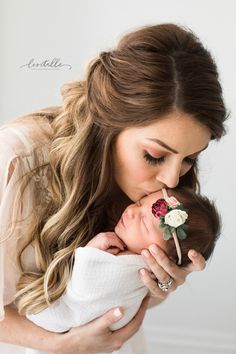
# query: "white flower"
(176, 217)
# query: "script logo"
(47, 64)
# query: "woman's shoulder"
(23, 134)
(24, 145)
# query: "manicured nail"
(145, 253)
(142, 271)
(153, 249)
(117, 313)
(193, 253)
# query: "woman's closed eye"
(158, 160)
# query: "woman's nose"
(170, 178)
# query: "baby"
(184, 221)
(100, 280)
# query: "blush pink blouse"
(20, 140)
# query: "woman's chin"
(134, 197)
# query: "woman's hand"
(96, 337)
(163, 268)
(107, 241)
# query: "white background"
(200, 317)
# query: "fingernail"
(153, 249)
(193, 253)
(142, 271)
(117, 313)
(145, 253)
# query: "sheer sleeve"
(8, 173)
(15, 161)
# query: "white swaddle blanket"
(99, 282)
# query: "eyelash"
(158, 160)
(144, 224)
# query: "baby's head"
(139, 225)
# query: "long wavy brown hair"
(152, 72)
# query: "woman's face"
(138, 227)
(152, 157)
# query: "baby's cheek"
(159, 241)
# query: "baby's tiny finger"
(114, 240)
(114, 250)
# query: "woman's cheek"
(144, 170)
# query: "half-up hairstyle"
(152, 72)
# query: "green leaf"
(161, 225)
(181, 207)
(181, 233)
(167, 234)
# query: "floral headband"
(173, 216)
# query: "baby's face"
(138, 227)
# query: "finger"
(110, 317)
(158, 263)
(156, 269)
(167, 266)
(198, 261)
(127, 331)
(151, 284)
(152, 275)
(113, 240)
(113, 250)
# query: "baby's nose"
(130, 211)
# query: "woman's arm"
(16, 329)
(91, 338)
(154, 301)
(96, 339)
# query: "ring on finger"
(165, 286)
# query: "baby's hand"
(107, 241)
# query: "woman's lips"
(148, 192)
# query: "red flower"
(159, 208)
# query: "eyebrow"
(170, 148)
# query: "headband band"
(173, 216)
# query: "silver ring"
(165, 286)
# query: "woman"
(136, 124)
